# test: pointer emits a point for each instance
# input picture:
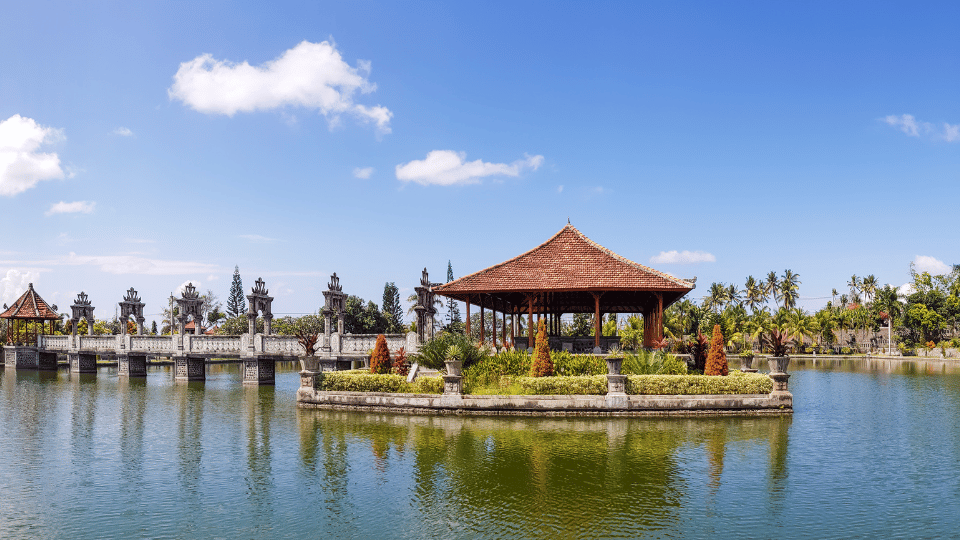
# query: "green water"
(873, 450)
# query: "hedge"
(364, 381)
(737, 382)
(589, 385)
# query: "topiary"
(400, 365)
(717, 357)
(542, 366)
(380, 359)
(699, 351)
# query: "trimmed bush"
(542, 366)
(717, 357)
(566, 363)
(380, 359)
(736, 382)
(592, 385)
(400, 365)
(364, 381)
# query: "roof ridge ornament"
(190, 292)
(260, 287)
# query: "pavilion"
(569, 273)
(28, 308)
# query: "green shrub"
(735, 383)
(426, 385)
(566, 363)
(595, 385)
(360, 381)
(434, 351)
(651, 363)
(846, 350)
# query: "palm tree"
(773, 286)
(833, 297)
(825, 321)
(789, 288)
(761, 323)
(801, 325)
(734, 295)
(869, 287)
(755, 292)
(854, 285)
(716, 297)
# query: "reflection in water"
(189, 406)
(541, 477)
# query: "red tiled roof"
(569, 261)
(29, 306)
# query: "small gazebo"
(28, 308)
(569, 273)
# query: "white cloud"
(183, 286)
(446, 168)
(560, 188)
(15, 283)
(310, 75)
(363, 173)
(924, 263)
(123, 132)
(82, 207)
(134, 264)
(906, 290)
(914, 128)
(682, 257)
(22, 165)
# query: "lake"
(872, 450)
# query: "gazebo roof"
(569, 262)
(29, 306)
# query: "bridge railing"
(362, 344)
(227, 345)
(154, 344)
(54, 343)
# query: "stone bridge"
(258, 352)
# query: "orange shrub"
(380, 359)
(542, 366)
(717, 357)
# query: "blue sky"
(150, 144)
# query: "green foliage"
(361, 317)
(433, 352)
(631, 335)
(736, 383)
(541, 366)
(652, 363)
(392, 310)
(236, 303)
(240, 325)
(454, 320)
(488, 372)
(363, 381)
(582, 325)
(699, 349)
(595, 385)
(568, 364)
(610, 325)
(380, 359)
(777, 341)
(153, 328)
(717, 357)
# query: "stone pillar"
(47, 361)
(267, 324)
(259, 369)
(82, 362)
(452, 385)
(251, 324)
(189, 368)
(327, 329)
(131, 365)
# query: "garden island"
(539, 371)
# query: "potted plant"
(746, 360)
(614, 360)
(453, 360)
(778, 341)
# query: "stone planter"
(614, 365)
(778, 364)
(310, 363)
(746, 363)
(454, 367)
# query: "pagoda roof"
(29, 306)
(567, 262)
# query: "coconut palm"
(854, 285)
(869, 287)
(734, 295)
(755, 292)
(789, 288)
(800, 326)
(773, 286)
(716, 297)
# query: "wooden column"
(530, 321)
(653, 321)
(483, 322)
(504, 335)
(596, 320)
(468, 315)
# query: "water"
(873, 450)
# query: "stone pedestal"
(132, 365)
(21, 357)
(259, 370)
(82, 362)
(616, 385)
(780, 383)
(189, 368)
(308, 379)
(453, 385)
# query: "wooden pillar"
(653, 321)
(468, 315)
(504, 335)
(596, 320)
(530, 321)
(483, 322)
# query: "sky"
(151, 144)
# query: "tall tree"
(454, 320)
(392, 309)
(236, 303)
(790, 288)
(773, 287)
